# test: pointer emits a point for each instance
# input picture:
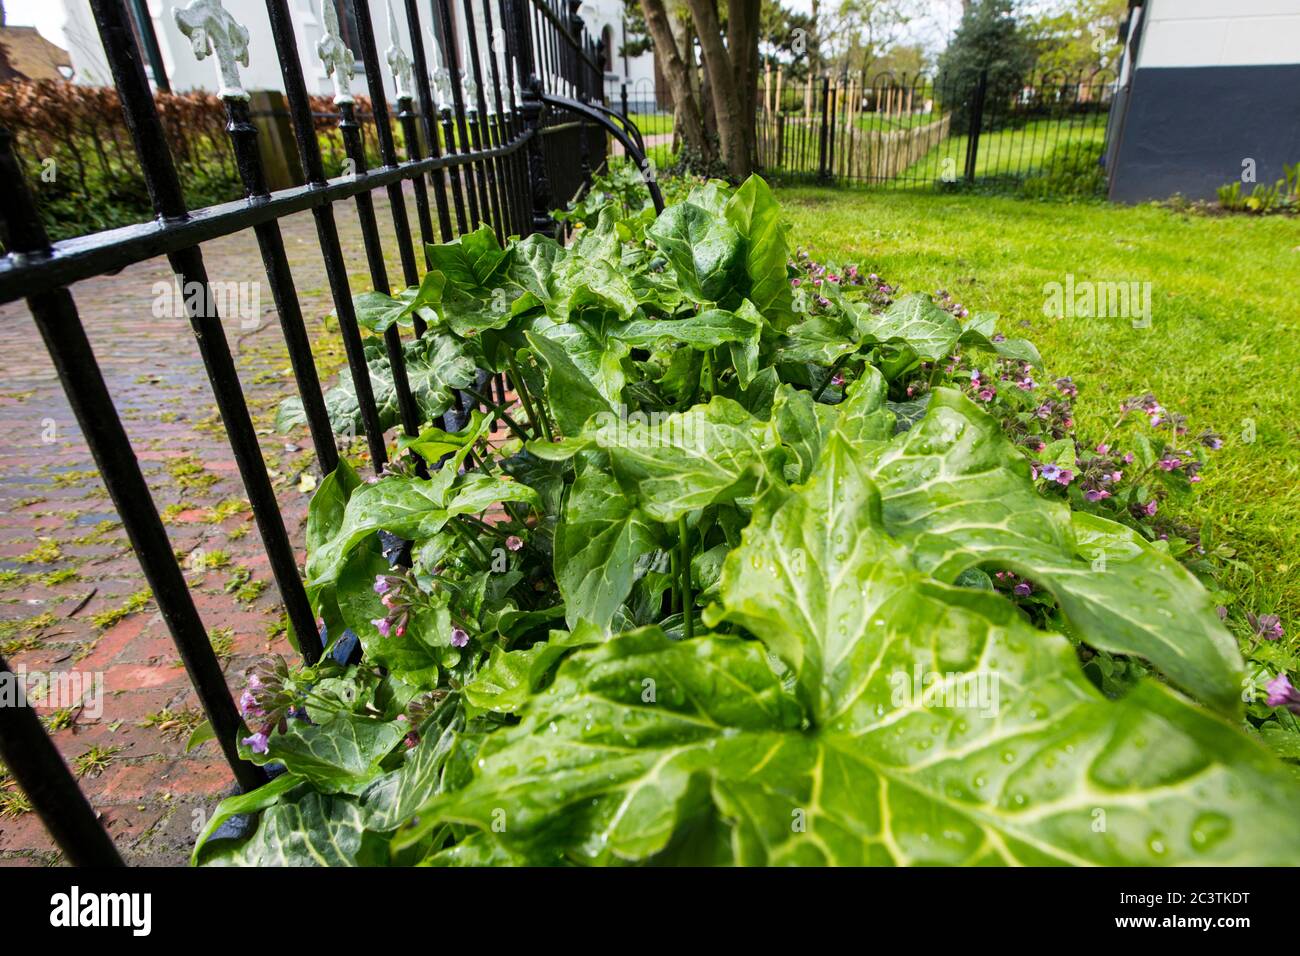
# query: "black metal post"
(378, 269)
(149, 37)
(532, 110)
(475, 192)
(420, 68)
(327, 233)
(169, 203)
(975, 121)
(823, 171)
(74, 362)
(243, 136)
(39, 769)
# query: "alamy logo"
(73, 909)
(57, 689)
(180, 300)
(1098, 300)
(958, 690)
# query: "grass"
(1003, 155)
(1222, 346)
(1007, 153)
(652, 124)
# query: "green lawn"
(653, 124)
(1222, 347)
(1008, 152)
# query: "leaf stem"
(685, 568)
(521, 389)
(500, 413)
(830, 375)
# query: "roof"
(25, 54)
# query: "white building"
(603, 19)
(1209, 93)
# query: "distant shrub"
(1074, 171)
(1281, 196)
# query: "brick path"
(67, 576)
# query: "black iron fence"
(491, 126)
(907, 131)
(901, 130)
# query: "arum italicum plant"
(759, 577)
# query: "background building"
(1205, 87)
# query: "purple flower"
(410, 740)
(837, 379)
(1023, 589)
(1065, 477)
(1049, 472)
(514, 542)
(459, 638)
(1026, 384)
(1282, 694)
(1267, 626)
(248, 705)
(1065, 385)
(1169, 464)
(383, 625)
(796, 282)
(1097, 494)
(1149, 509)
(1103, 448)
(986, 394)
(257, 743)
(382, 584)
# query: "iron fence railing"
(490, 125)
(904, 130)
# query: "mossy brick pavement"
(72, 596)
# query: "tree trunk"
(727, 102)
(742, 40)
(685, 104)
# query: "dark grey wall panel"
(1188, 129)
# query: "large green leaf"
(706, 252)
(317, 830)
(570, 394)
(754, 211)
(411, 655)
(915, 321)
(597, 542)
(677, 463)
(957, 492)
(340, 756)
(932, 725)
(411, 508)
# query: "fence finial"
(334, 53)
(441, 75)
(210, 28)
(398, 61)
(468, 88)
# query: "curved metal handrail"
(637, 154)
(627, 123)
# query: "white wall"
(1185, 33)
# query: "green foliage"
(1281, 196)
(1073, 171)
(736, 596)
(988, 38)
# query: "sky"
(45, 16)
